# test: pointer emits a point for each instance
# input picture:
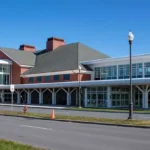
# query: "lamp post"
(79, 87)
(130, 39)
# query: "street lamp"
(79, 87)
(130, 39)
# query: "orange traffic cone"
(53, 114)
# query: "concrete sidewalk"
(66, 111)
(34, 106)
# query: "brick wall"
(23, 69)
(73, 77)
(53, 43)
(15, 69)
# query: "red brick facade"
(73, 77)
(15, 70)
(53, 43)
(27, 48)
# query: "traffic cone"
(53, 114)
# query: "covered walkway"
(99, 93)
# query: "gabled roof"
(63, 58)
(19, 56)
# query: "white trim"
(26, 66)
(117, 59)
(56, 73)
(8, 56)
(34, 90)
(47, 89)
(5, 61)
(89, 83)
(14, 60)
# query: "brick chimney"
(52, 43)
(27, 48)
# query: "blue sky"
(101, 24)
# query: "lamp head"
(130, 37)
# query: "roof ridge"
(16, 50)
(94, 49)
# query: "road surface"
(78, 113)
(72, 136)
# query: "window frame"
(66, 77)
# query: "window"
(147, 69)
(124, 71)
(4, 74)
(39, 79)
(120, 96)
(6, 68)
(31, 79)
(56, 77)
(66, 76)
(6, 79)
(106, 73)
(97, 96)
(1, 79)
(1, 68)
(47, 78)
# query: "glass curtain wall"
(97, 96)
(137, 97)
(120, 97)
(110, 72)
(4, 74)
(124, 70)
(147, 70)
(106, 73)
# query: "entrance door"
(138, 98)
(116, 100)
(102, 100)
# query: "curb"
(81, 122)
(69, 109)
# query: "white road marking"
(35, 127)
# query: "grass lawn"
(9, 145)
(80, 118)
(109, 110)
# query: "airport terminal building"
(62, 73)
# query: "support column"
(18, 97)
(85, 98)
(28, 97)
(40, 97)
(68, 98)
(108, 97)
(76, 97)
(144, 96)
(53, 97)
(145, 102)
(2, 96)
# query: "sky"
(100, 24)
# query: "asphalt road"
(71, 136)
(79, 113)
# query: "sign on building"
(12, 88)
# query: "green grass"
(80, 118)
(109, 110)
(10, 145)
